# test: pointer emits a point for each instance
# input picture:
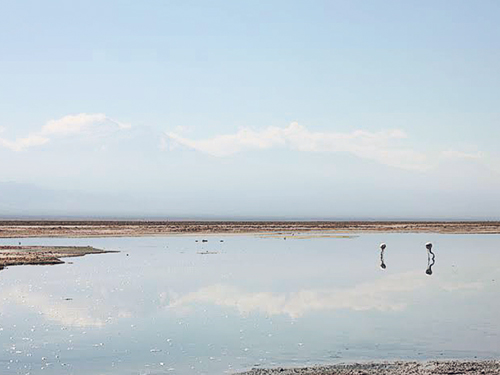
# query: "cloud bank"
(82, 124)
(381, 147)
(387, 147)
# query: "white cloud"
(23, 143)
(453, 154)
(378, 146)
(384, 147)
(81, 123)
(97, 124)
(72, 124)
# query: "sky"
(250, 109)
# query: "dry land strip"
(20, 229)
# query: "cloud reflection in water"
(385, 294)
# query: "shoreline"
(83, 229)
(43, 255)
(389, 368)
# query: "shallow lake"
(171, 305)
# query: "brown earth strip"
(21, 255)
(19, 229)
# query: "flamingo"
(382, 248)
(428, 271)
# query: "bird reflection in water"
(382, 248)
(431, 258)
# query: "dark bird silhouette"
(382, 248)
(431, 258)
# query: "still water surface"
(170, 305)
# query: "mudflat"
(393, 368)
(20, 229)
(21, 255)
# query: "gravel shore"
(392, 368)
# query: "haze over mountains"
(100, 168)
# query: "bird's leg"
(382, 264)
(430, 263)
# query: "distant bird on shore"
(382, 248)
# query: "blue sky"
(305, 109)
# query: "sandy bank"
(394, 368)
(21, 255)
(19, 229)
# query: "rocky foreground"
(394, 368)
